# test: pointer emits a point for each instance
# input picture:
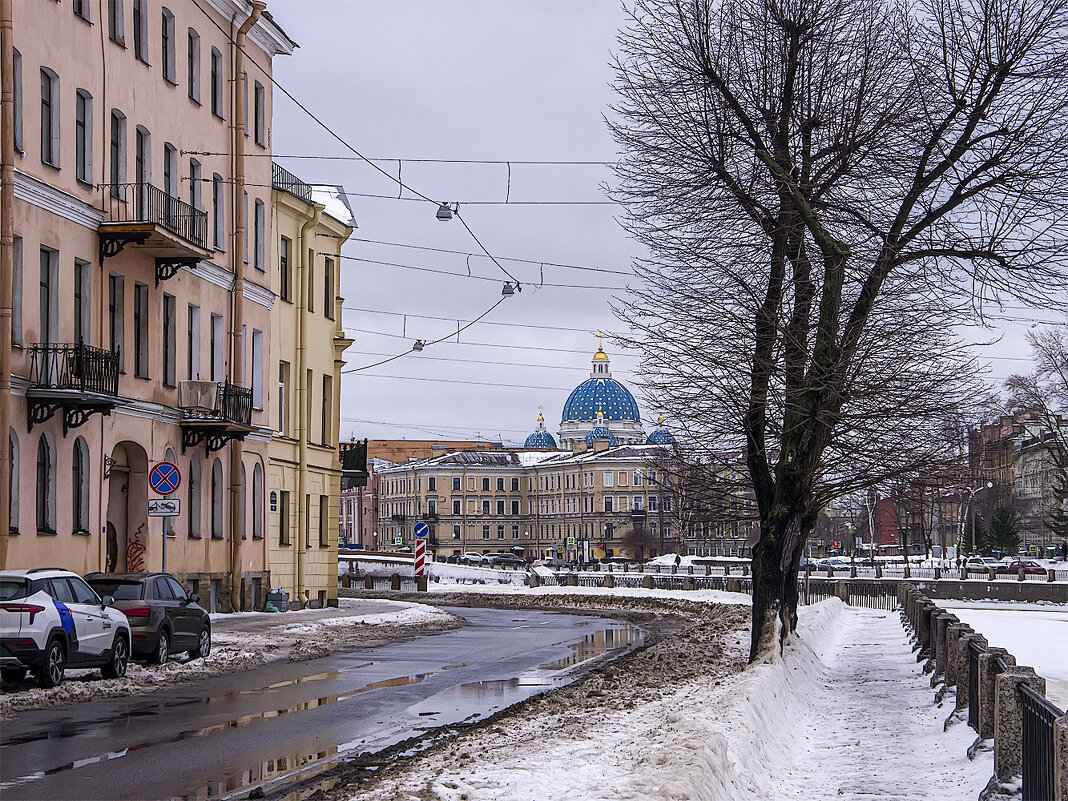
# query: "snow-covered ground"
(1037, 635)
(845, 713)
(247, 640)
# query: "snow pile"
(845, 713)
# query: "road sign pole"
(420, 556)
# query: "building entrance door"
(127, 517)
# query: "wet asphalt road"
(216, 736)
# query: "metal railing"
(143, 202)
(75, 367)
(232, 404)
(1038, 744)
(974, 650)
(285, 181)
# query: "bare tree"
(825, 188)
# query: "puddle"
(595, 645)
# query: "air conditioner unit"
(198, 395)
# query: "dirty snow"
(243, 641)
(845, 713)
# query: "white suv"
(50, 619)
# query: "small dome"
(661, 436)
(600, 355)
(601, 434)
(540, 439)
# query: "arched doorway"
(127, 521)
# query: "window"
(115, 316)
(13, 481)
(170, 169)
(81, 8)
(49, 117)
(485, 532)
(258, 223)
(193, 62)
(217, 365)
(500, 485)
(328, 289)
(608, 478)
(306, 422)
(115, 22)
(244, 228)
(485, 507)
(500, 507)
(49, 318)
(327, 408)
(324, 512)
(192, 345)
(283, 518)
(307, 520)
(283, 398)
(431, 507)
(16, 293)
(140, 29)
(195, 492)
(431, 484)
(456, 532)
(83, 136)
(500, 532)
(216, 500)
(244, 101)
(141, 330)
(80, 487)
(216, 83)
(608, 503)
(515, 484)
(46, 486)
(637, 503)
(257, 502)
(168, 46)
(283, 269)
(485, 484)
(515, 507)
(194, 184)
(456, 506)
(257, 369)
(82, 296)
(258, 107)
(217, 211)
(118, 152)
(169, 341)
(310, 282)
(16, 72)
(455, 483)
(142, 169)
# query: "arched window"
(13, 484)
(244, 497)
(80, 487)
(216, 500)
(46, 486)
(194, 496)
(257, 502)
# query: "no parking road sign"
(164, 478)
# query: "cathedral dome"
(601, 433)
(602, 395)
(661, 436)
(540, 439)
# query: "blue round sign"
(421, 530)
(164, 478)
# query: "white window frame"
(167, 43)
(193, 64)
(83, 130)
(50, 127)
(257, 369)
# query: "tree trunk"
(776, 558)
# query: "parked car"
(554, 563)
(982, 563)
(164, 619)
(508, 560)
(833, 563)
(1028, 566)
(50, 619)
(471, 558)
(807, 564)
(487, 558)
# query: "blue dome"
(601, 433)
(661, 437)
(541, 439)
(606, 394)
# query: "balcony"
(172, 231)
(78, 379)
(398, 518)
(214, 413)
(285, 181)
(430, 516)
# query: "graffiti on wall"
(135, 552)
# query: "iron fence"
(285, 181)
(1037, 744)
(232, 403)
(76, 367)
(974, 650)
(143, 202)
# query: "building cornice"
(213, 274)
(259, 294)
(266, 34)
(55, 201)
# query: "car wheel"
(51, 673)
(120, 658)
(203, 644)
(12, 675)
(163, 649)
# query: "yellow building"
(309, 224)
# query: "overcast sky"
(472, 80)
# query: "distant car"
(508, 560)
(50, 619)
(554, 563)
(982, 563)
(1028, 566)
(164, 619)
(807, 564)
(471, 558)
(487, 558)
(833, 563)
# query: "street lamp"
(971, 512)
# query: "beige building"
(309, 225)
(598, 502)
(133, 266)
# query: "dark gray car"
(164, 619)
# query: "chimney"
(601, 445)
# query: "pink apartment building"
(135, 234)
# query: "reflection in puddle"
(265, 771)
(594, 645)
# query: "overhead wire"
(394, 159)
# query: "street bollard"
(1008, 719)
(394, 581)
(609, 581)
(420, 583)
(368, 582)
(648, 582)
(987, 676)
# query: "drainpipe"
(237, 510)
(303, 390)
(7, 254)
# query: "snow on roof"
(337, 206)
(529, 458)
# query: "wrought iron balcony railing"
(74, 367)
(233, 404)
(285, 181)
(145, 203)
